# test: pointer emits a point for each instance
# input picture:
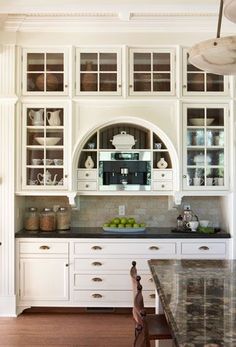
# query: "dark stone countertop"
(199, 300)
(149, 233)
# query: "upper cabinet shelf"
(98, 71)
(198, 82)
(152, 72)
(45, 72)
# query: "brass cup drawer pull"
(96, 248)
(97, 296)
(204, 248)
(154, 248)
(44, 247)
(96, 279)
(96, 263)
(152, 296)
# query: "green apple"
(121, 225)
(112, 225)
(135, 225)
(142, 225)
(128, 225)
(106, 225)
(131, 220)
(123, 220)
(116, 221)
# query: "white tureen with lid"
(123, 141)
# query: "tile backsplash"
(94, 210)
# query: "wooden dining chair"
(148, 327)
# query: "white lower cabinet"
(95, 272)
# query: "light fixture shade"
(230, 10)
(217, 56)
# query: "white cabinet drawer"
(109, 282)
(87, 174)
(162, 185)
(162, 175)
(103, 297)
(148, 248)
(44, 247)
(96, 265)
(87, 185)
(203, 248)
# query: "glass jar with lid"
(31, 221)
(47, 220)
(63, 218)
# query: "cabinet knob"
(86, 185)
(154, 248)
(66, 85)
(0, 243)
(96, 279)
(204, 248)
(87, 175)
(119, 85)
(162, 186)
(67, 265)
(97, 296)
(65, 175)
(163, 175)
(184, 176)
(130, 86)
(44, 247)
(152, 296)
(184, 86)
(97, 263)
(97, 248)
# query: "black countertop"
(149, 233)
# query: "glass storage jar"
(63, 218)
(31, 221)
(47, 220)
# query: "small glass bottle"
(63, 218)
(47, 220)
(179, 222)
(31, 221)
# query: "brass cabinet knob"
(97, 263)
(97, 279)
(97, 296)
(44, 247)
(204, 248)
(97, 248)
(154, 248)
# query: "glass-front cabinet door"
(98, 71)
(152, 72)
(199, 82)
(45, 72)
(44, 161)
(205, 156)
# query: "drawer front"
(87, 185)
(203, 248)
(109, 282)
(162, 175)
(150, 249)
(162, 185)
(103, 264)
(43, 247)
(87, 174)
(103, 297)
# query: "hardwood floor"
(67, 330)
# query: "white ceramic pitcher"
(53, 118)
(48, 178)
(36, 117)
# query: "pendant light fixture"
(217, 55)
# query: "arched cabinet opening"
(125, 157)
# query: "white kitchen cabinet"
(199, 83)
(151, 71)
(95, 272)
(98, 71)
(43, 274)
(45, 71)
(205, 147)
(44, 146)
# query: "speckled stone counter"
(199, 299)
(149, 233)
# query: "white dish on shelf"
(200, 121)
(48, 141)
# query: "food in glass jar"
(47, 220)
(63, 219)
(31, 221)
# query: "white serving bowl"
(200, 121)
(49, 141)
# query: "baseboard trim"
(8, 306)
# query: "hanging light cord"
(220, 18)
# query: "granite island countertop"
(149, 233)
(199, 300)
